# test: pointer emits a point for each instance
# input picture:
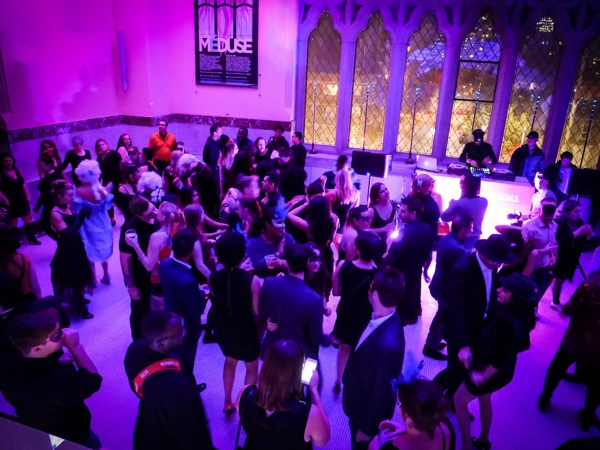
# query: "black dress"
(341, 211)
(70, 265)
(14, 190)
(280, 430)
(569, 249)
(504, 335)
(46, 202)
(354, 310)
(380, 222)
(122, 201)
(110, 166)
(234, 326)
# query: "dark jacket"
(478, 152)
(292, 181)
(449, 250)
(467, 301)
(411, 249)
(182, 295)
(210, 155)
(299, 158)
(296, 309)
(368, 397)
(171, 414)
(526, 164)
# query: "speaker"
(374, 164)
(585, 182)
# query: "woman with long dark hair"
(235, 297)
(382, 211)
(49, 176)
(320, 225)
(504, 335)
(225, 163)
(71, 272)
(49, 150)
(13, 187)
(110, 167)
(352, 280)
(316, 275)
(123, 146)
(359, 219)
(274, 414)
(571, 236)
(130, 175)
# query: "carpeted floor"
(517, 423)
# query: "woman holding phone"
(274, 414)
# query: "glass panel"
(535, 77)
(423, 74)
(462, 124)
(322, 79)
(582, 120)
(475, 85)
(371, 76)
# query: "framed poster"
(227, 42)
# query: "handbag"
(243, 401)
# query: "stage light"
(394, 235)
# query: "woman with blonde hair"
(343, 197)
(96, 231)
(225, 164)
(159, 248)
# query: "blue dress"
(96, 230)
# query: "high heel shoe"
(229, 409)
(485, 445)
(105, 280)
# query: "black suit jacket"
(467, 301)
(368, 397)
(411, 249)
(449, 250)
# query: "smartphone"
(308, 368)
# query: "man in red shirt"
(163, 144)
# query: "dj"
(478, 153)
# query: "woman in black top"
(317, 277)
(494, 354)
(130, 175)
(382, 210)
(274, 415)
(74, 158)
(110, 165)
(14, 189)
(235, 297)
(46, 167)
(571, 236)
(352, 280)
(48, 149)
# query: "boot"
(31, 234)
(587, 419)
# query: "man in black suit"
(292, 177)
(368, 398)
(472, 288)
(408, 253)
(450, 249)
(182, 294)
(299, 150)
(293, 308)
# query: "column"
(446, 101)
(394, 97)
(506, 75)
(342, 134)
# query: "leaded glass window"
(369, 93)
(581, 134)
(322, 81)
(421, 91)
(533, 87)
(475, 86)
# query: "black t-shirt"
(111, 168)
(141, 276)
(74, 160)
(48, 394)
(45, 188)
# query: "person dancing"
(96, 231)
(71, 272)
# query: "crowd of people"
(244, 231)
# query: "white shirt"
(180, 262)
(487, 277)
(373, 325)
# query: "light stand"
(312, 150)
(477, 95)
(587, 133)
(412, 130)
(535, 110)
(366, 116)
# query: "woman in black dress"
(71, 272)
(274, 414)
(49, 150)
(235, 298)
(49, 176)
(110, 165)
(13, 187)
(505, 334)
(382, 210)
(130, 175)
(317, 277)
(571, 236)
(352, 280)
